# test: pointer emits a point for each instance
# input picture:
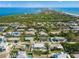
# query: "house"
(40, 24)
(56, 46)
(32, 29)
(4, 24)
(57, 39)
(55, 32)
(13, 39)
(30, 33)
(60, 55)
(16, 34)
(22, 54)
(75, 28)
(14, 25)
(21, 28)
(2, 43)
(43, 36)
(72, 23)
(2, 39)
(42, 33)
(7, 34)
(2, 48)
(38, 46)
(28, 38)
(3, 28)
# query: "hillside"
(47, 15)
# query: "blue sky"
(39, 3)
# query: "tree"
(71, 36)
(71, 47)
(47, 47)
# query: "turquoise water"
(12, 11)
(73, 11)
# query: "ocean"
(13, 11)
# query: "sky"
(39, 4)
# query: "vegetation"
(13, 54)
(70, 35)
(46, 15)
(37, 52)
(47, 47)
(71, 47)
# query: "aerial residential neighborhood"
(44, 32)
(31, 42)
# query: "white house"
(2, 43)
(39, 46)
(42, 33)
(22, 54)
(2, 39)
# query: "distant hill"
(45, 15)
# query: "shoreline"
(64, 12)
(71, 14)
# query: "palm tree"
(47, 47)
